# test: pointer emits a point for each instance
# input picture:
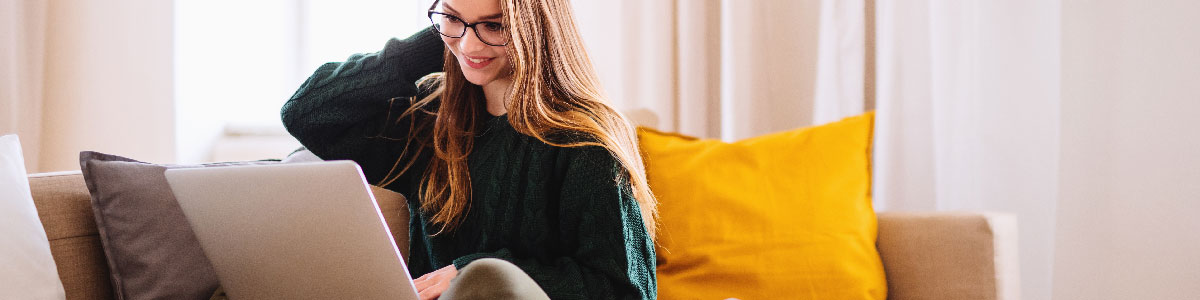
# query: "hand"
(430, 286)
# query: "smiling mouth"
(478, 63)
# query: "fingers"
(429, 279)
(423, 282)
(434, 291)
(431, 285)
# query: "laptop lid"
(292, 231)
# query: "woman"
(518, 174)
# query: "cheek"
(505, 61)
(450, 45)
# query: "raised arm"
(348, 110)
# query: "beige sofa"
(925, 255)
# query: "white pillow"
(28, 270)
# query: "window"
(237, 62)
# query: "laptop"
(292, 231)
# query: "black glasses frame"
(466, 25)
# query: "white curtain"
(842, 74)
(22, 44)
(728, 69)
(968, 116)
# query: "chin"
(478, 79)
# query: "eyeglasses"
(452, 26)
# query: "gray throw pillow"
(151, 250)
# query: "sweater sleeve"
(348, 110)
(609, 253)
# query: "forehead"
(471, 8)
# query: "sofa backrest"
(65, 209)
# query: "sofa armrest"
(944, 255)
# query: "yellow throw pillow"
(781, 216)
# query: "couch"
(925, 255)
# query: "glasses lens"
(447, 25)
(492, 33)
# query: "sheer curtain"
(728, 69)
(968, 116)
(23, 36)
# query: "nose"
(470, 42)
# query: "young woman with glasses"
(523, 182)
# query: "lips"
(477, 62)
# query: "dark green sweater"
(564, 215)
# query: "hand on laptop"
(430, 286)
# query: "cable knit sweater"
(565, 216)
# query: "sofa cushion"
(785, 215)
(28, 269)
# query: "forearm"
(391, 72)
(343, 106)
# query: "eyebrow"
(455, 11)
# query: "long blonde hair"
(555, 92)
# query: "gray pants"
(486, 278)
(490, 278)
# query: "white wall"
(108, 81)
(1129, 208)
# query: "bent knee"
(495, 273)
(490, 278)
(491, 266)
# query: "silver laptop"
(293, 231)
